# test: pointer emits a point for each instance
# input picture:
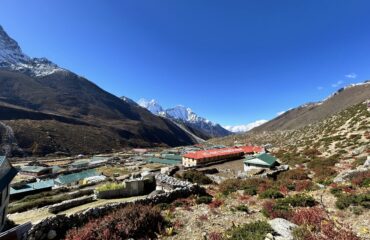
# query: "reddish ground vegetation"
(216, 204)
(308, 216)
(138, 222)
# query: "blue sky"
(233, 62)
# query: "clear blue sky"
(231, 61)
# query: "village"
(35, 189)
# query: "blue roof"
(33, 169)
(163, 161)
(33, 186)
(75, 177)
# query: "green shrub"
(204, 200)
(301, 233)
(251, 231)
(110, 186)
(195, 176)
(298, 200)
(44, 199)
(271, 193)
(242, 208)
(346, 200)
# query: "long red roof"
(251, 149)
(213, 153)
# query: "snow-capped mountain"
(151, 105)
(12, 57)
(246, 127)
(185, 115)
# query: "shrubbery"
(251, 231)
(204, 200)
(271, 193)
(110, 186)
(133, 221)
(346, 200)
(283, 208)
(195, 176)
(43, 200)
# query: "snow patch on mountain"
(12, 57)
(246, 127)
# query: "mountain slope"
(314, 112)
(345, 133)
(199, 126)
(39, 86)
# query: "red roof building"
(205, 157)
(252, 149)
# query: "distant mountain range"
(46, 109)
(202, 127)
(246, 127)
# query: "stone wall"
(70, 204)
(56, 227)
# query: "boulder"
(283, 227)
(52, 234)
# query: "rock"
(52, 234)
(283, 227)
(269, 236)
(367, 162)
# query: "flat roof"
(213, 153)
(163, 161)
(33, 169)
(33, 186)
(74, 177)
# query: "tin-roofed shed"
(75, 178)
(263, 160)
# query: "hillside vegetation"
(345, 134)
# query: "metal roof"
(75, 177)
(172, 157)
(252, 149)
(163, 161)
(33, 186)
(213, 153)
(261, 159)
(80, 162)
(33, 169)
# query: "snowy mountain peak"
(185, 115)
(245, 128)
(12, 57)
(151, 105)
